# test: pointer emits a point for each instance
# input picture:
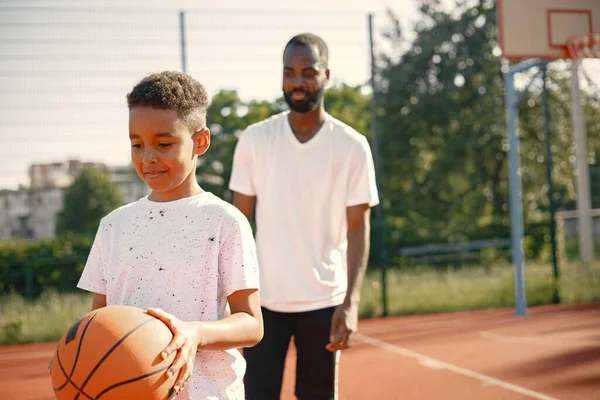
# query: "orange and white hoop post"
(547, 30)
(580, 47)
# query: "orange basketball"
(113, 353)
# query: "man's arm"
(358, 249)
(245, 204)
(344, 323)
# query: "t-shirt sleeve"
(242, 170)
(238, 263)
(93, 277)
(362, 186)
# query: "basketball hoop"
(586, 45)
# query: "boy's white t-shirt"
(302, 191)
(185, 257)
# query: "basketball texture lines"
(113, 353)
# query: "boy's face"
(164, 152)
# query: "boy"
(180, 249)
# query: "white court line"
(410, 326)
(413, 327)
(528, 340)
(23, 356)
(438, 364)
(543, 341)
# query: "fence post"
(377, 162)
(28, 280)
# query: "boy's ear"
(201, 140)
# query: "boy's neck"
(181, 192)
(306, 125)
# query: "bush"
(28, 267)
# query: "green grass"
(416, 291)
(426, 290)
(43, 319)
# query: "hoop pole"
(516, 206)
(512, 98)
(583, 175)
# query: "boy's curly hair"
(172, 90)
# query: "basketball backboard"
(542, 28)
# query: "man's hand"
(344, 324)
(185, 342)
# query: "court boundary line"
(434, 363)
(26, 355)
(538, 340)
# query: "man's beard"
(308, 104)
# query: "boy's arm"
(245, 204)
(98, 301)
(243, 328)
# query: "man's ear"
(201, 141)
(327, 83)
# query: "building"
(33, 213)
(45, 204)
(14, 214)
(131, 186)
(58, 175)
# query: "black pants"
(316, 367)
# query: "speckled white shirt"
(185, 257)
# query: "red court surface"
(553, 353)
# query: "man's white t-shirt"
(302, 191)
(185, 257)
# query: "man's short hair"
(172, 90)
(311, 41)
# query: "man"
(313, 182)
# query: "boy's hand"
(344, 324)
(185, 341)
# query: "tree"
(350, 105)
(91, 196)
(227, 116)
(443, 131)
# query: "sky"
(66, 66)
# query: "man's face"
(304, 78)
(163, 151)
